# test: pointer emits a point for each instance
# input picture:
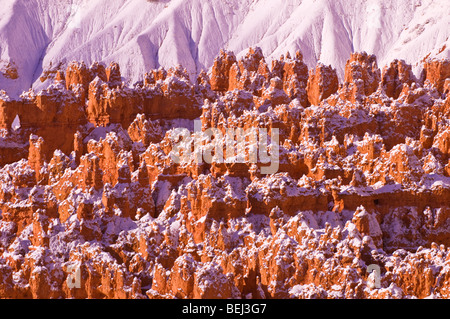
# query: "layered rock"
(361, 78)
(322, 82)
(220, 71)
(437, 72)
(395, 76)
(110, 191)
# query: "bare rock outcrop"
(220, 71)
(437, 72)
(322, 82)
(395, 76)
(362, 77)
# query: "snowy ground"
(42, 35)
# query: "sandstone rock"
(144, 131)
(220, 71)
(437, 73)
(90, 191)
(322, 82)
(90, 171)
(36, 156)
(111, 105)
(362, 76)
(395, 76)
(367, 224)
(295, 78)
(77, 73)
(113, 76)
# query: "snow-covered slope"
(40, 35)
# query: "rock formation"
(106, 190)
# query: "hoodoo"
(89, 184)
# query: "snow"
(16, 123)
(42, 35)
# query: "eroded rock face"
(395, 76)
(94, 204)
(362, 76)
(220, 71)
(77, 73)
(437, 72)
(322, 82)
